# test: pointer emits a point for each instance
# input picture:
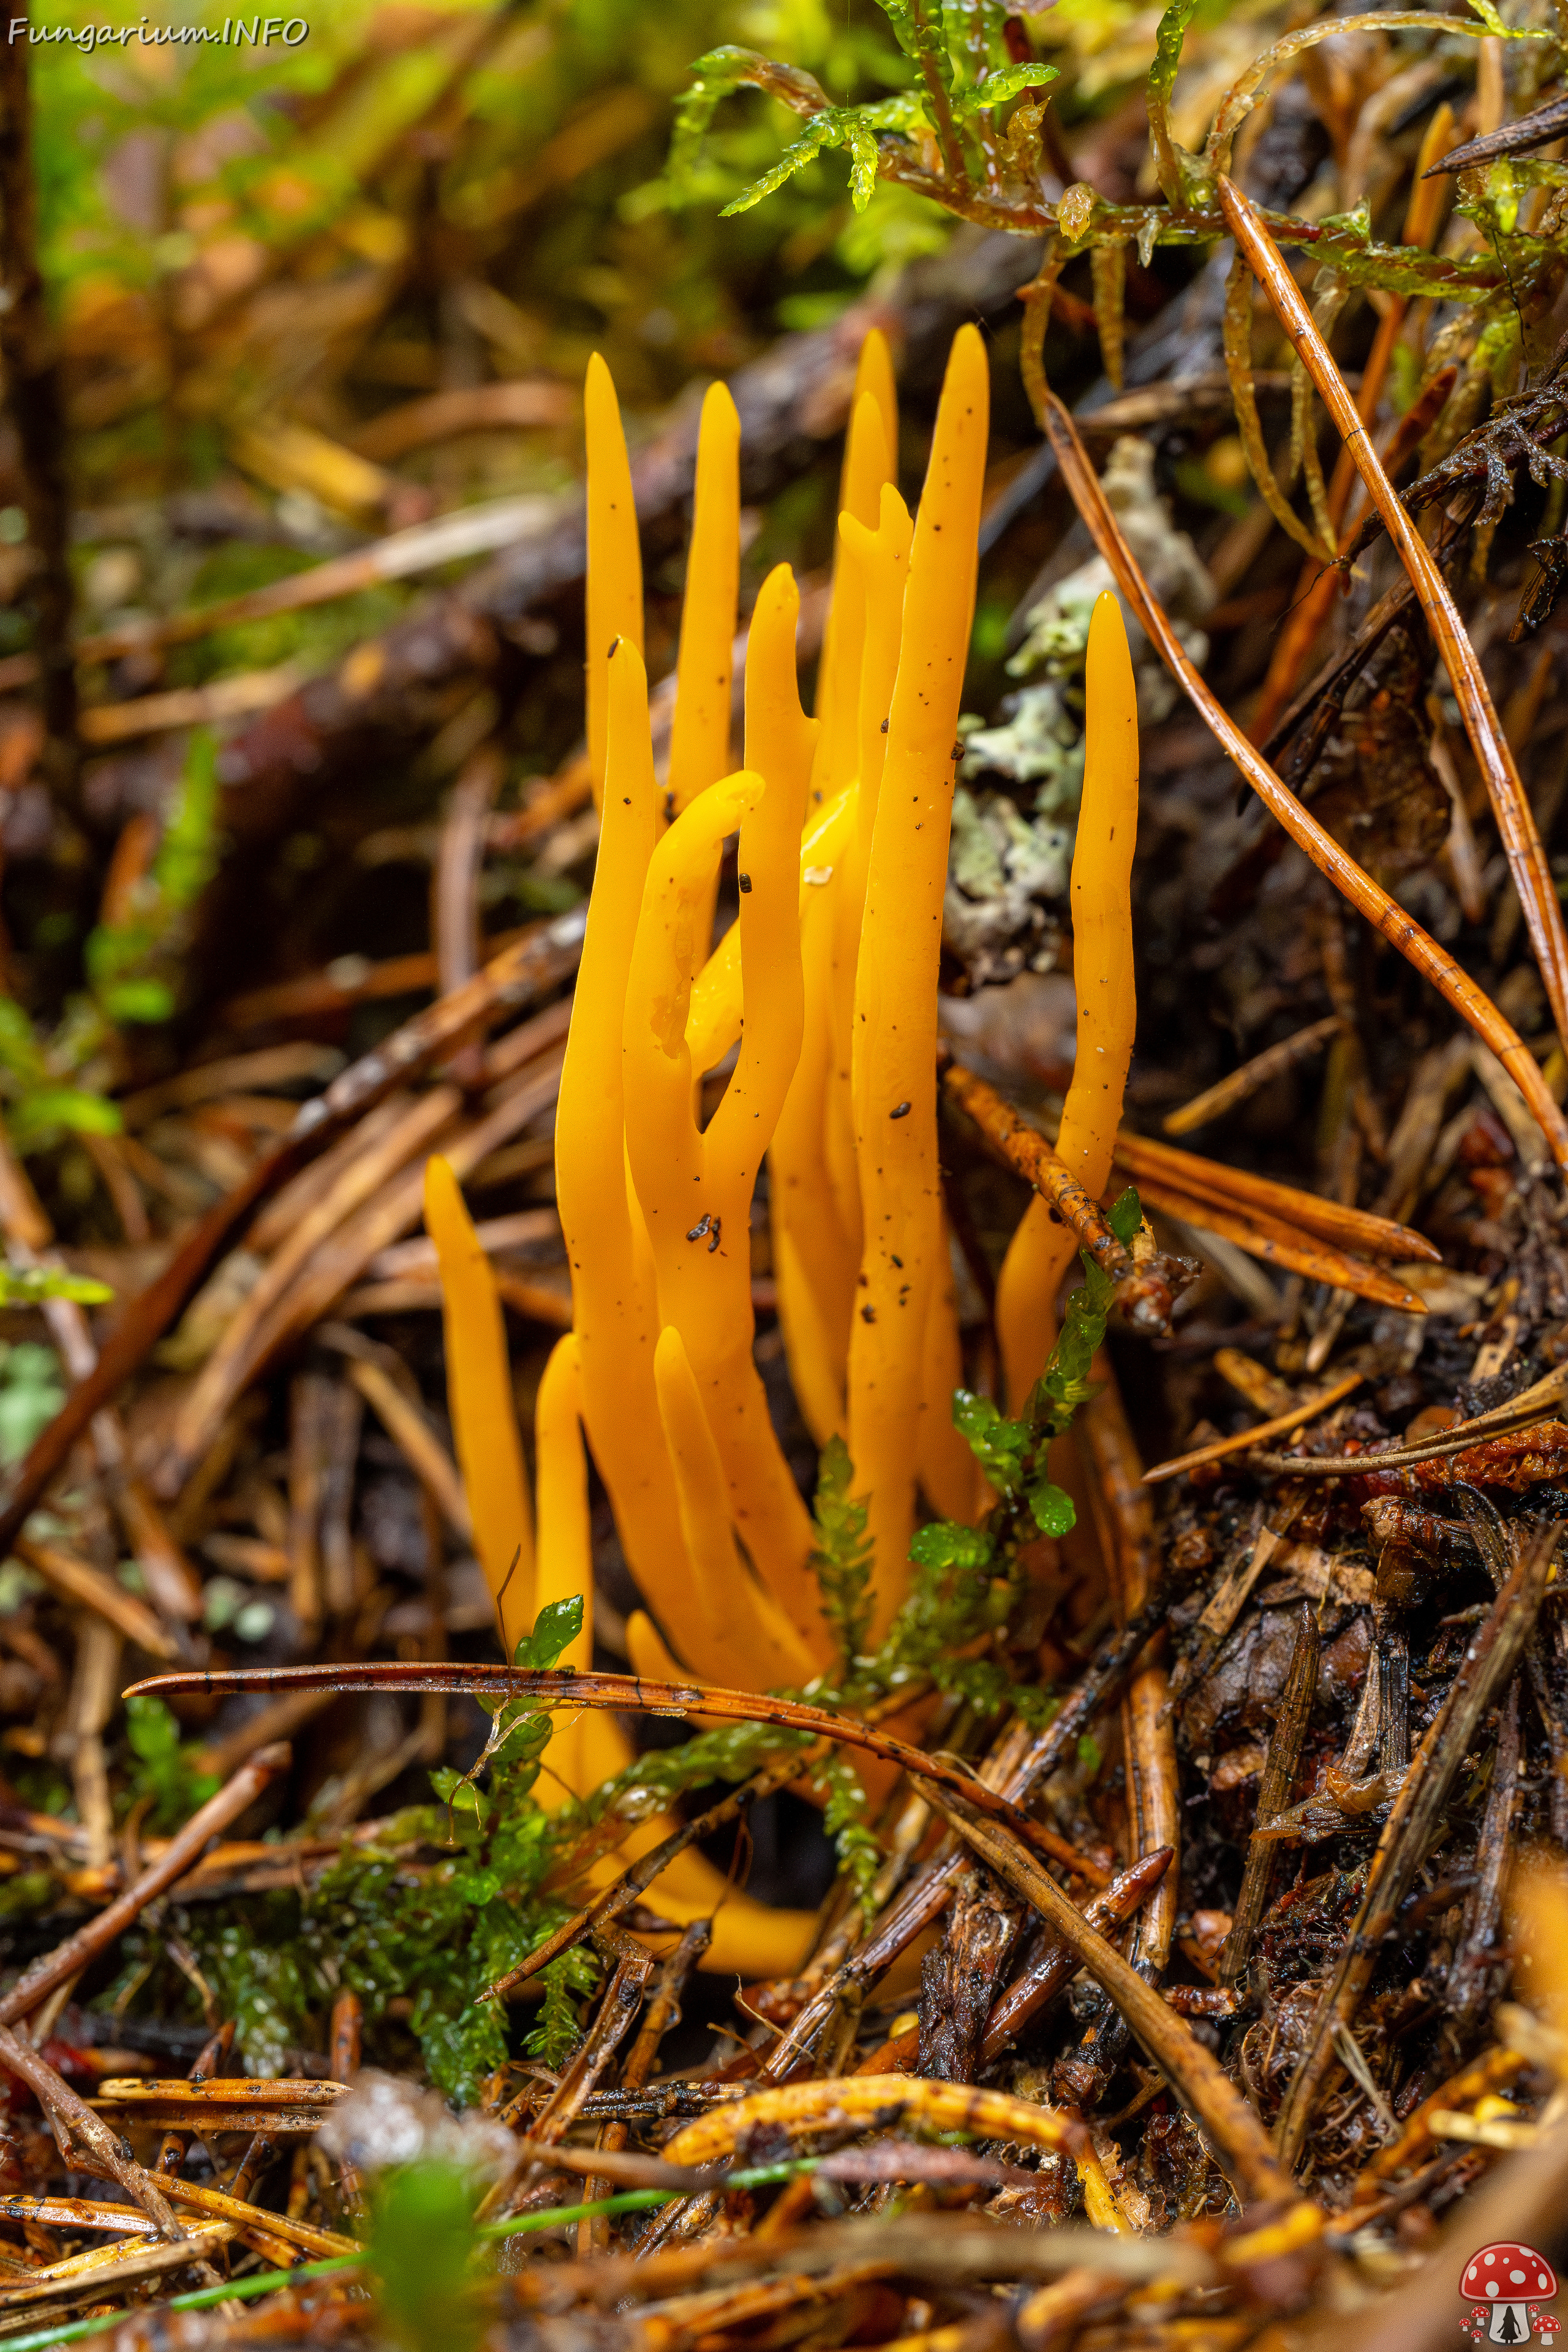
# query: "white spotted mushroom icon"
(1506, 2280)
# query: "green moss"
(29, 1891)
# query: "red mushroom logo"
(1503, 2285)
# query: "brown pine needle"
(226, 2104)
(1026, 1149)
(1515, 818)
(1533, 1404)
(638, 1694)
(141, 2261)
(82, 2213)
(1252, 1076)
(1297, 1417)
(1278, 1244)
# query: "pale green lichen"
(1003, 873)
(1057, 625)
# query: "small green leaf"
(998, 1443)
(29, 1285)
(1126, 1217)
(48, 1107)
(560, 2029)
(555, 1629)
(1168, 41)
(146, 1000)
(836, 126)
(1001, 84)
(946, 1545)
(1181, 175)
(1053, 1508)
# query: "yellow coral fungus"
(1043, 1248)
(614, 558)
(699, 738)
(824, 990)
(484, 1417)
(894, 1069)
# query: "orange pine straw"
(1356, 1230)
(1533, 876)
(1283, 1424)
(1315, 588)
(1369, 898)
(1267, 1237)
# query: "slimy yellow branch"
(588, 1748)
(700, 737)
(870, 460)
(695, 1188)
(728, 1614)
(614, 556)
(484, 1415)
(563, 1565)
(894, 1071)
(814, 1261)
(827, 985)
(1041, 1250)
(613, 1306)
(878, 560)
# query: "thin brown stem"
(1296, 1418)
(1285, 1747)
(1036, 298)
(1534, 1404)
(1263, 1068)
(85, 2135)
(1026, 1150)
(640, 1695)
(947, 138)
